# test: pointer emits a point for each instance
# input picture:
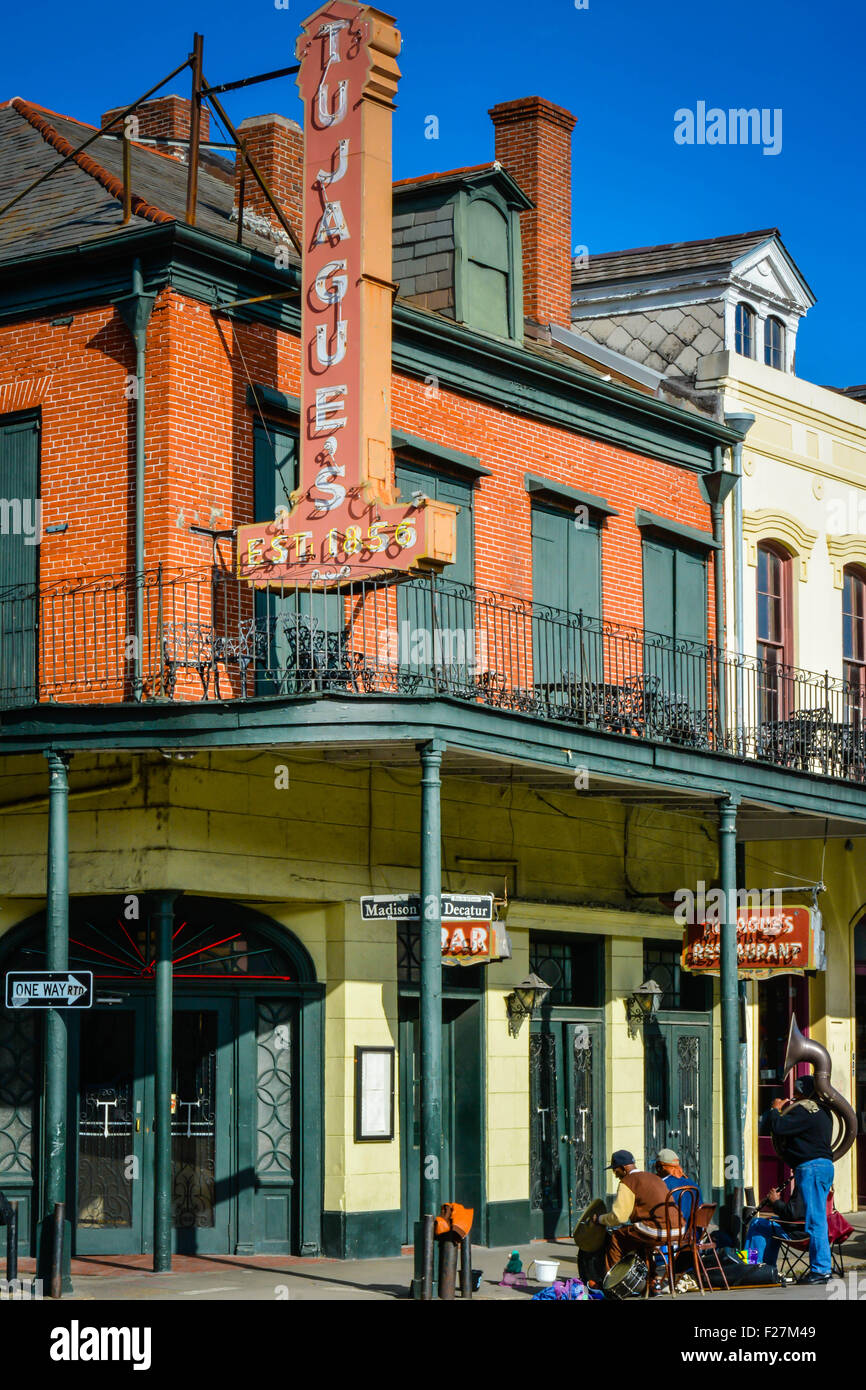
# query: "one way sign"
(50, 989)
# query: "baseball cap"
(667, 1156)
(620, 1158)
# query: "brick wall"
(199, 451)
(276, 145)
(166, 117)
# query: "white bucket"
(545, 1270)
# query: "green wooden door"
(203, 1129)
(678, 1092)
(566, 1121)
(566, 583)
(462, 1125)
(440, 638)
(675, 616)
(19, 559)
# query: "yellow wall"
(220, 825)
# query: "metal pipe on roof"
(136, 310)
(194, 128)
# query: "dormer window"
(745, 331)
(774, 344)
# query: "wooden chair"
(665, 1233)
(680, 1233)
(704, 1246)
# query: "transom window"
(745, 331)
(773, 628)
(680, 990)
(571, 965)
(854, 638)
(774, 343)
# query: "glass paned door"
(566, 1122)
(110, 1123)
(202, 1127)
(678, 1095)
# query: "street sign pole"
(431, 995)
(56, 958)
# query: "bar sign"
(49, 989)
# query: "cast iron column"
(732, 1128)
(56, 958)
(163, 921)
(431, 979)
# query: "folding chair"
(705, 1246)
(794, 1249)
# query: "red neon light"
(133, 944)
(212, 947)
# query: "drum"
(587, 1234)
(628, 1279)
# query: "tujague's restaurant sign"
(345, 523)
(770, 941)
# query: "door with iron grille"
(566, 1121)
(678, 1092)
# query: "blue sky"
(622, 66)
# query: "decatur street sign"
(49, 989)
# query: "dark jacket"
(790, 1213)
(802, 1132)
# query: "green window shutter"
(675, 608)
(691, 597)
(487, 268)
(658, 588)
(275, 468)
(449, 611)
(566, 576)
(19, 561)
(19, 487)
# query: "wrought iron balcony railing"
(208, 636)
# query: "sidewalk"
(280, 1278)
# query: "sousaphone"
(802, 1049)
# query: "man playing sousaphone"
(635, 1220)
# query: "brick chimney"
(164, 117)
(533, 143)
(276, 145)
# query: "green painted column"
(731, 1123)
(162, 917)
(56, 1039)
(431, 978)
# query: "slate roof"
(82, 202)
(675, 255)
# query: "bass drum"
(628, 1279)
(591, 1266)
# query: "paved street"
(262, 1278)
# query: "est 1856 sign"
(49, 989)
(345, 523)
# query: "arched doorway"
(246, 1081)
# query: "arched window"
(774, 344)
(774, 630)
(745, 331)
(854, 639)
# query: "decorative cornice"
(769, 525)
(846, 550)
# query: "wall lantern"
(642, 1004)
(523, 1000)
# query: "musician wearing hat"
(671, 1173)
(634, 1217)
(802, 1132)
